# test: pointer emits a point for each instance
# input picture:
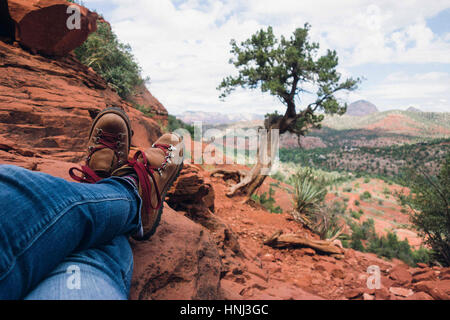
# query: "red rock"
(439, 290)
(445, 274)
(382, 294)
(402, 292)
(307, 251)
(41, 25)
(420, 296)
(430, 275)
(268, 257)
(47, 106)
(353, 293)
(422, 265)
(144, 98)
(179, 262)
(400, 275)
(367, 296)
(191, 191)
(338, 273)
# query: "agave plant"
(310, 191)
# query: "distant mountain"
(361, 108)
(217, 118)
(413, 109)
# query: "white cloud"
(185, 48)
(429, 91)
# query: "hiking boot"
(154, 171)
(108, 146)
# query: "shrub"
(268, 202)
(366, 180)
(357, 203)
(429, 202)
(355, 215)
(365, 196)
(174, 124)
(111, 59)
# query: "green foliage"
(357, 203)
(111, 59)
(385, 246)
(146, 111)
(175, 124)
(355, 215)
(365, 196)
(310, 191)
(278, 176)
(268, 202)
(429, 199)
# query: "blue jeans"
(65, 240)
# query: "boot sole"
(150, 233)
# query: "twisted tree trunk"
(267, 150)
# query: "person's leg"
(44, 219)
(103, 273)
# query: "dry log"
(280, 240)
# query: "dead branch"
(280, 240)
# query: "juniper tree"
(286, 68)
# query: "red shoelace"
(144, 172)
(106, 140)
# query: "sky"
(400, 48)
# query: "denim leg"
(103, 273)
(44, 219)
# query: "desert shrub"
(355, 215)
(174, 124)
(111, 59)
(310, 191)
(429, 201)
(388, 246)
(366, 180)
(357, 203)
(278, 176)
(365, 196)
(145, 110)
(267, 201)
(349, 189)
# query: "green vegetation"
(310, 191)
(175, 124)
(111, 59)
(287, 68)
(268, 202)
(371, 162)
(385, 246)
(365, 196)
(429, 201)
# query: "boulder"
(439, 290)
(179, 262)
(42, 25)
(429, 275)
(191, 191)
(401, 292)
(400, 275)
